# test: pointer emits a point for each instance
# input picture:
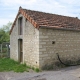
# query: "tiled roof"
(42, 19)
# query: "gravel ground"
(70, 73)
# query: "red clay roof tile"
(40, 19)
(47, 19)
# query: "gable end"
(21, 11)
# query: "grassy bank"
(7, 64)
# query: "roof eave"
(59, 28)
(21, 11)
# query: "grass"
(37, 70)
(7, 64)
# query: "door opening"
(20, 51)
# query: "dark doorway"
(20, 26)
(20, 51)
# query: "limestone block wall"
(65, 43)
(14, 43)
(31, 45)
(40, 46)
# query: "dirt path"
(70, 73)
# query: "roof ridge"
(39, 18)
(50, 13)
(35, 24)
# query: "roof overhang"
(21, 11)
(58, 28)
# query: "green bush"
(37, 70)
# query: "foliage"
(7, 27)
(4, 33)
(37, 70)
(7, 64)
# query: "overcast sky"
(9, 8)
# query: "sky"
(9, 8)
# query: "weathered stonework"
(14, 43)
(66, 44)
(40, 46)
(30, 39)
(31, 45)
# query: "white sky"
(9, 8)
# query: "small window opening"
(53, 42)
(20, 26)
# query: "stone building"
(36, 37)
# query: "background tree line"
(4, 33)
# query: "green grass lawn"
(7, 64)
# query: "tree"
(4, 33)
(7, 27)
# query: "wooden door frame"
(20, 51)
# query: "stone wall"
(40, 46)
(31, 45)
(30, 39)
(65, 43)
(14, 41)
